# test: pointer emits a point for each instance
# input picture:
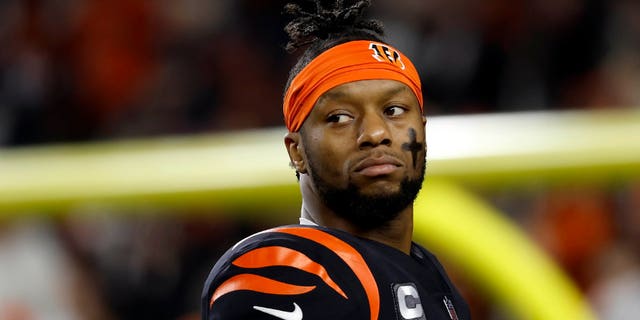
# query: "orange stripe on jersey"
(349, 255)
(257, 283)
(282, 256)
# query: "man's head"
(357, 137)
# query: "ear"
(292, 142)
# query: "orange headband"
(347, 62)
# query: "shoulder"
(456, 304)
(313, 267)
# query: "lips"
(375, 166)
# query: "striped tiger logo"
(384, 53)
(264, 257)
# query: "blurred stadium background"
(534, 122)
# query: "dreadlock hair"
(321, 28)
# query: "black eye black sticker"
(413, 146)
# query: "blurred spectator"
(616, 272)
(574, 225)
(36, 274)
(621, 67)
(113, 51)
(616, 291)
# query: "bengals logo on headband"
(384, 53)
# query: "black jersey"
(310, 272)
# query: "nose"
(373, 131)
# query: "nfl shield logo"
(450, 309)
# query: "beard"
(367, 212)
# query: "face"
(363, 146)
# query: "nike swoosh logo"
(296, 314)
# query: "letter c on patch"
(409, 303)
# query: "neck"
(397, 233)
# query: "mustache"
(376, 158)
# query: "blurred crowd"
(92, 70)
(77, 70)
